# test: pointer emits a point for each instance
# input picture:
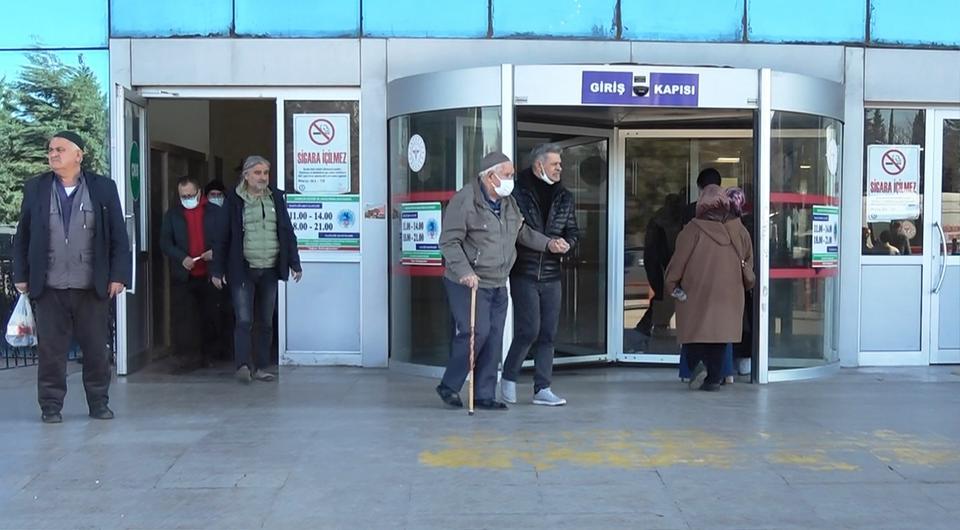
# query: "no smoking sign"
(322, 131)
(893, 162)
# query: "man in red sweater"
(186, 238)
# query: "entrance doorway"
(206, 139)
(635, 137)
(654, 155)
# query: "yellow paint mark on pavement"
(816, 461)
(696, 448)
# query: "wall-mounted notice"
(326, 222)
(321, 153)
(420, 233)
(893, 182)
(826, 237)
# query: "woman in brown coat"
(713, 267)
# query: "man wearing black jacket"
(547, 208)
(186, 238)
(72, 256)
(256, 250)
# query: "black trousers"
(198, 324)
(712, 357)
(62, 316)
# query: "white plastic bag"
(22, 327)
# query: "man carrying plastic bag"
(22, 328)
(71, 254)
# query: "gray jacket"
(475, 240)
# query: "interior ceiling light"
(727, 160)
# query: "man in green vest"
(257, 250)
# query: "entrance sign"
(326, 222)
(893, 182)
(826, 237)
(420, 233)
(135, 171)
(640, 88)
(321, 153)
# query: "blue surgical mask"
(218, 200)
(190, 203)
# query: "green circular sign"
(134, 174)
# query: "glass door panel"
(945, 336)
(660, 174)
(583, 314)
(804, 240)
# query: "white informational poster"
(420, 233)
(326, 222)
(826, 237)
(893, 183)
(321, 153)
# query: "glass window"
(350, 113)
(897, 22)
(140, 18)
(551, 18)
(804, 239)
(425, 18)
(893, 237)
(453, 141)
(950, 189)
(818, 21)
(297, 18)
(682, 20)
(28, 25)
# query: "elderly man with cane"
(481, 227)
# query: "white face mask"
(505, 188)
(190, 203)
(543, 176)
(218, 200)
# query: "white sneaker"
(548, 398)
(508, 391)
(744, 366)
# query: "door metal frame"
(933, 259)
(119, 171)
(618, 303)
(588, 134)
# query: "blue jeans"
(536, 314)
(258, 293)
(488, 338)
(726, 370)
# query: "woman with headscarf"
(711, 269)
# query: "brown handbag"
(746, 273)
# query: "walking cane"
(473, 334)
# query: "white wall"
(182, 122)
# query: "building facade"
(840, 120)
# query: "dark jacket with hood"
(111, 247)
(228, 257)
(561, 221)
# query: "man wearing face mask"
(481, 227)
(549, 209)
(186, 238)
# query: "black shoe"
(101, 412)
(449, 397)
(490, 404)
(710, 387)
(51, 416)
